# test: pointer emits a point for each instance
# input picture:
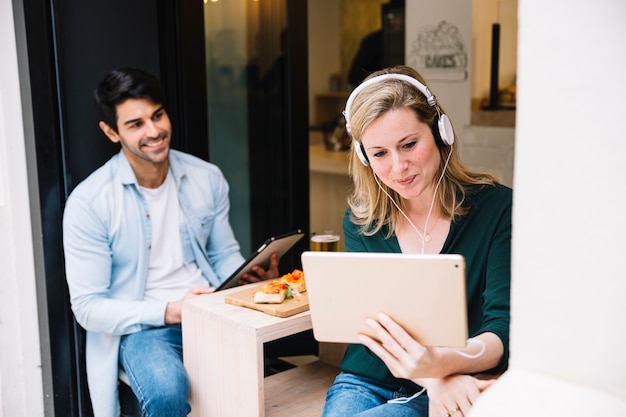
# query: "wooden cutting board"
(287, 308)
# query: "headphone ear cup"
(437, 133)
(445, 130)
(360, 153)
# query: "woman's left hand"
(406, 358)
(454, 395)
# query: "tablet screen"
(277, 244)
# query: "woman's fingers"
(400, 335)
(402, 354)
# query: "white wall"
(436, 29)
(568, 336)
(487, 148)
(21, 392)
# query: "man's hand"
(261, 274)
(174, 308)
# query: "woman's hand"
(261, 274)
(453, 395)
(404, 356)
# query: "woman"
(412, 194)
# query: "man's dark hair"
(120, 85)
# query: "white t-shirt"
(169, 278)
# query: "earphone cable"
(432, 203)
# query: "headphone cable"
(432, 203)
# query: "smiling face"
(144, 132)
(403, 154)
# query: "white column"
(21, 392)
(568, 335)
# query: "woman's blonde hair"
(371, 208)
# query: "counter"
(329, 188)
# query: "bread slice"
(273, 292)
(295, 280)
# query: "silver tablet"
(425, 294)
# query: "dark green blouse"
(483, 237)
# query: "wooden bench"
(223, 356)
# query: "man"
(142, 233)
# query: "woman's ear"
(108, 130)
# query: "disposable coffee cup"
(326, 241)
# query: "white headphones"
(444, 134)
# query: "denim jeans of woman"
(153, 361)
(354, 396)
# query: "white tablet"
(425, 294)
(277, 244)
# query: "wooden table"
(223, 356)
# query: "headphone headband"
(432, 101)
(442, 130)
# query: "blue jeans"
(153, 361)
(352, 396)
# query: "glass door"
(230, 61)
(256, 57)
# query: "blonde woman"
(412, 194)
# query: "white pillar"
(21, 391)
(568, 331)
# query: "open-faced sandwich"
(295, 280)
(278, 290)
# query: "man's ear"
(108, 130)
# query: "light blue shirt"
(106, 239)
